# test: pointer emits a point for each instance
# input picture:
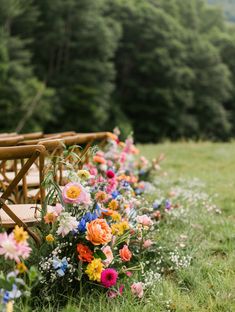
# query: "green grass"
(208, 284)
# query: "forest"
(162, 69)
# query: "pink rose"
(147, 243)
(137, 289)
(144, 220)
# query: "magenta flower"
(109, 277)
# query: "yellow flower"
(21, 267)
(83, 174)
(119, 228)
(9, 306)
(50, 238)
(113, 205)
(20, 234)
(94, 270)
(116, 216)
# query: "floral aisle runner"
(99, 231)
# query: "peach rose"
(125, 253)
(109, 255)
(98, 232)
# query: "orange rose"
(98, 232)
(125, 253)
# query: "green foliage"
(20, 89)
(163, 69)
(73, 50)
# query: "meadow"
(204, 231)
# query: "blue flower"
(98, 210)
(126, 185)
(60, 265)
(6, 297)
(115, 194)
(168, 204)
(82, 226)
(156, 204)
(88, 217)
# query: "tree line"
(163, 69)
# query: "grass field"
(208, 283)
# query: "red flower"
(84, 253)
(110, 174)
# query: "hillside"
(228, 7)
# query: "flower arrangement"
(96, 232)
(99, 230)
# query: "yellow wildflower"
(94, 270)
(119, 228)
(83, 174)
(113, 205)
(9, 306)
(20, 234)
(116, 216)
(21, 267)
(50, 238)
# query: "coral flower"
(94, 270)
(98, 232)
(109, 277)
(125, 253)
(74, 193)
(84, 253)
(99, 159)
(101, 196)
(50, 217)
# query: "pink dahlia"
(109, 277)
(13, 250)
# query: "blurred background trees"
(164, 69)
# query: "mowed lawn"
(208, 284)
